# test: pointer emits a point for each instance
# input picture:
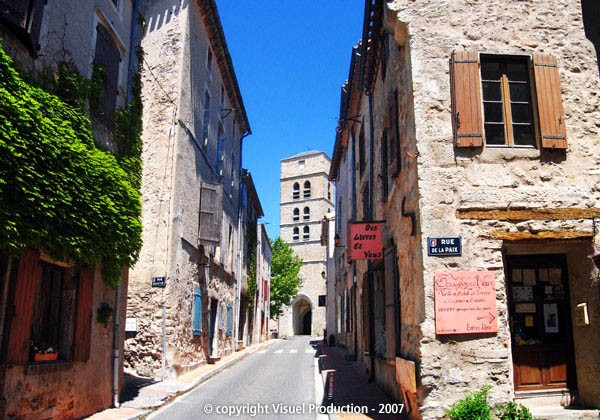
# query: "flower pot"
(44, 357)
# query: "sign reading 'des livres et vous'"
(465, 302)
(366, 241)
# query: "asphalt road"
(274, 383)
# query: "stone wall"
(451, 180)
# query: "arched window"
(307, 189)
(296, 235)
(329, 190)
(296, 192)
(306, 213)
(296, 216)
(306, 235)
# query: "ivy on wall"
(57, 189)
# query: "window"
(220, 153)
(306, 192)
(107, 59)
(393, 308)
(519, 96)
(306, 215)
(322, 300)
(296, 216)
(222, 96)
(229, 330)
(329, 190)
(507, 114)
(301, 163)
(393, 136)
(361, 151)
(53, 312)
(197, 328)
(366, 208)
(296, 234)
(27, 16)
(306, 233)
(206, 119)
(209, 60)
(296, 191)
(384, 166)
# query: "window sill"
(495, 153)
(40, 368)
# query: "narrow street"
(274, 383)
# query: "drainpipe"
(116, 351)
(239, 270)
(370, 217)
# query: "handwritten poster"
(465, 302)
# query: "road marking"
(293, 351)
(278, 351)
(308, 351)
(262, 351)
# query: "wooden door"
(540, 321)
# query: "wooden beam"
(530, 214)
(547, 234)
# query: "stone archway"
(302, 316)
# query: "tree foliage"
(57, 189)
(285, 282)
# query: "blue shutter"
(197, 311)
(229, 320)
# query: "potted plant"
(43, 352)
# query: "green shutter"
(197, 311)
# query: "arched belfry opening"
(302, 316)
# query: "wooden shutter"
(28, 277)
(391, 302)
(83, 316)
(107, 55)
(15, 11)
(37, 13)
(549, 103)
(211, 212)
(197, 311)
(465, 89)
(229, 331)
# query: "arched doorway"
(302, 316)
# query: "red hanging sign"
(366, 241)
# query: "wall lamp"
(336, 241)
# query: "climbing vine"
(57, 189)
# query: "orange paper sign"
(465, 302)
(366, 242)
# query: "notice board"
(465, 302)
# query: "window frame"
(506, 101)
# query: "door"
(214, 305)
(540, 322)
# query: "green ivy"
(58, 190)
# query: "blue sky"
(291, 58)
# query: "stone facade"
(507, 204)
(194, 124)
(306, 197)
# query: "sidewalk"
(347, 384)
(145, 395)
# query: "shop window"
(107, 60)
(306, 192)
(296, 216)
(296, 234)
(296, 191)
(511, 96)
(306, 233)
(306, 215)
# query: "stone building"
(193, 239)
(306, 197)
(471, 135)
(61, 347)
(262, 306)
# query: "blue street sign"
(440, 247)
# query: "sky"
(291, 59)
